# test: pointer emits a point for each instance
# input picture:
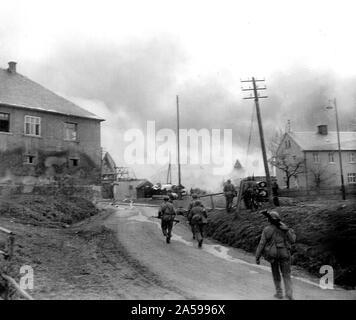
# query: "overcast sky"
(126, 61)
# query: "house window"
(331, 157)
(4, 122)
(351, 177)
(352, 157)
(71, 131)
(287, 144)
(29, 159)
(316, 157)
(32, 126)
(74, 162)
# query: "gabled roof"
(143, 183)
(313, 141)
(109, 162)
(18, 91)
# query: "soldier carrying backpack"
(198, 221)
(275, 246)
(167, 215)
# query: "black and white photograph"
(200, 152)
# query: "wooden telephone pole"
(343, 191)
(178, 149)
(256, 97)
(169, 172)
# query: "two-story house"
(318, 152)
(39, 128)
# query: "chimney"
(12, 67)
(323, 129)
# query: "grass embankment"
(69, 262)
(326, 235)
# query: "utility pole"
(169, 172)
(256, 97)
(339, 149)
(178, 149)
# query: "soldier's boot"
(168, 239)
(200, 243)
(279, 291)
(278, 295)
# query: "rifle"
(174, 220)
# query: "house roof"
(143, 183)
(315, 141)
(109, 161)
(18, 91)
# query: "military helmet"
(165, 198)
(274, 215)
(194, 196)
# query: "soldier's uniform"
(275, 245)
(198, 221)
(247, 195)
(167, 214)
(189, 215)
(229, 191)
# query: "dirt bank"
(46, 210)
(83, 260)
(326, 235)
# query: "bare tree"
(321, 175)
(274, 142)
(291, 167)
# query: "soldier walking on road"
(189, 215)
(275, 245)
(167, 214)
(198, 221)
(229, 192)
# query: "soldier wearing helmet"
(229, 192)
(191, 205)
(275, 246)
(198, 221)
(167, 214)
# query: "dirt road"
(184, 271)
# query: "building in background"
(130, 188)
(108, 168)
(42, 133)
(318, 154)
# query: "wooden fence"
(7, 254)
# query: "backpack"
(198, 217)
(168, 212)
(276, 249)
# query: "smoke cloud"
(137, 81)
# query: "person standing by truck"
(230, 193)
